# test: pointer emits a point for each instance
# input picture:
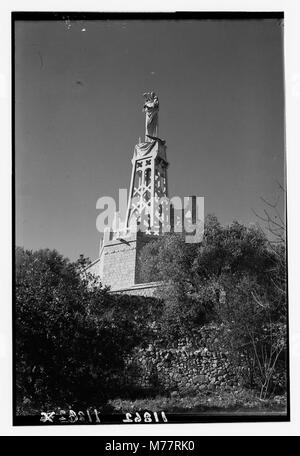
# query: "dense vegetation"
(234, 277)
(72, 335)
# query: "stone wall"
(189, 366)
(145, 290)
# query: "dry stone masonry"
(191, 365)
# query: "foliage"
(193, 274)
(233, 277)
(274, 224)
(254, 339)
(71, 334)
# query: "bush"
(254, 339)
(235, 277)
(71, 335)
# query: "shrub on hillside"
(71, 338)
(234, 277)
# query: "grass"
(230, 400)
(219, 401)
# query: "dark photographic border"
(217, 417)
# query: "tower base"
(118, 265)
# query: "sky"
(78, 115)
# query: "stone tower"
(149, 182)
(117, 265)
(146, 217)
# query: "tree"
(253, 335)
(192, 274)
(274, 224)
(170, 260)
(71, 339)
(228, 278)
